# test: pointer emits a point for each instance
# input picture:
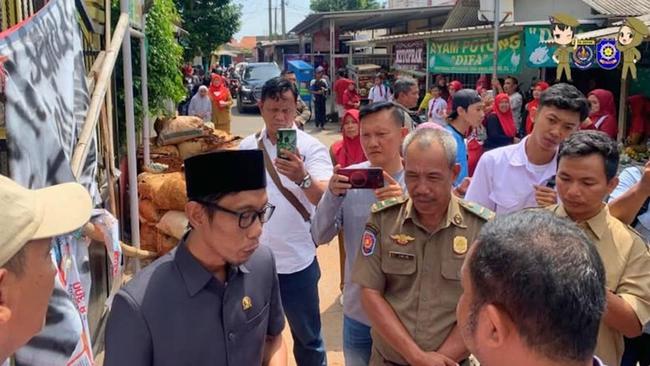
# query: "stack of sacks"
(182, 137)
(163, 195)
(162, 204)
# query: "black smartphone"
(287, 140)
(551, 182)
(370, 178)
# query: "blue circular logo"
(583, 57)
(607, 55)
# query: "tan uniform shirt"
(627, 266)
(417, 271)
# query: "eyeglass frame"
(257, 214)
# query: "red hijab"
(218, 93)
(606, 101)
(506, 119)
(532, 106)
(349, 151)
(456, 86)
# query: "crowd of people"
(525, 258)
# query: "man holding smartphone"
(344, 208)
(295, 185)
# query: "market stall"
(363, 76)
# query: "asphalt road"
(328, 255)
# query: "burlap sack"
(165, 243)
(173, 223)
(149, 212)
(172, 194)
(149, 237)
(178, 129)
(213, 140)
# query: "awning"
(443, 34)
(347, 21)
(609, 31)
(620, 7)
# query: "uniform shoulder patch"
(381, 205)
(478, 210)
(369, 240)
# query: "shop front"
(466, 59)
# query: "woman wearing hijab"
(351, 98)
(531, 107)
(346, 152)
(603, 113)
(221, 103)
(500, 127)
(201, 105)
(453, 87)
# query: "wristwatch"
(306, 182)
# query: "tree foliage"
(164, 57)
(210, 23)
(164, 61)
(342, 5)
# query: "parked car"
(254, 75)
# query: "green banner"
(474, 56)
(539, 48)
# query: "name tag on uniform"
(400, 255)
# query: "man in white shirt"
(518, 176)
(379, 92)
(303, 178)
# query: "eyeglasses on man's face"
(246, 218)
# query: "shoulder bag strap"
(278, 183)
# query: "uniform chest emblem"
(458, 219)
(246, 303)
(368, 241)
(460, 245)
(402, 239)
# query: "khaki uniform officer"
(417, 271)
(627, 264)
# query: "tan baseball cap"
(27, 214)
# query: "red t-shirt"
(339, 88)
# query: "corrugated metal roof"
(464, 14)
(609, 31)
(369, 19)
(620, 7)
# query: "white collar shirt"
(287, 234)
(380, 94)
(504, 179)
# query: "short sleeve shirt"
(417, 271)
(380, 94)
(287, 233)
(504, 178)
(175, 312)
(627, 268)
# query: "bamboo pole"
(109, 90)
(110, 181)
(81, 150)
(91, 231)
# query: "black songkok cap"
(224, 172)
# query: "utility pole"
(497, 23)
(284, 24)
(275, 21)
(270, 21)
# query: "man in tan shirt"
(587, 165)
(411, 255)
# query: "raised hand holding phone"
(339, 184)
(390, 190)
